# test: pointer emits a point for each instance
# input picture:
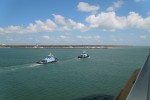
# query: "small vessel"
(83, 55)
(36, 46)
(49, 59)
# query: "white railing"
(141, 87)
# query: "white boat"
(83, 55)
(49, 59)
(36, 46)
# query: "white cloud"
(89, 38)
(59, 24)
(38, 26)
(136, 21)
(59, 19)
(76, 25)
(85, 7)
(12, 29)
(63, 37)
(109, 21)
(68, 24)
(57, 39)
(115, 5)
(46, 37)
(46, 26)
(70, 39)
(105, 21)
(84, 37)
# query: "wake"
(34, 65)
(72, 59)
(18, 67)
(67, 60)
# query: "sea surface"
(104, 73)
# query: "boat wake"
(71, 59)
(34, 65)
(68, 60)
(18, 67)
(31, 65)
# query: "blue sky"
(59, 22)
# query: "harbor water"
(104, 73)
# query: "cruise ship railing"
(141, 88)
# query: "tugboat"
(49, 59)
(83, 55)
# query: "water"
(104, 73)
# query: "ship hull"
(83, 57)
(40, 62)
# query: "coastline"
(64, 46)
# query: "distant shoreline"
(63, 46)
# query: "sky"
(75, 22)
